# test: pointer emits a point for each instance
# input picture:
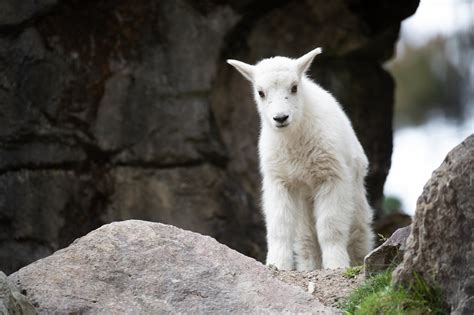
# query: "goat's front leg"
(334, 214)
(279, 210)
(306, 247)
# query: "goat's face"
(276, 94)
(276, 84)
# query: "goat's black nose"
(280, 118)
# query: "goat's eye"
(294, 89)
(262, 95)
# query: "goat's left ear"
(303, 62)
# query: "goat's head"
(276, 83)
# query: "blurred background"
(118, 109)
(434, 98)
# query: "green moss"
(352, 272)
(378, 296)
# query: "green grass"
(378, 296)
(352, 272)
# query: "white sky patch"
(437, 17)
(417, 152)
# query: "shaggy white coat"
(313, 168)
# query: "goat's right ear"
(246, 69)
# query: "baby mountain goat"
(313, 168)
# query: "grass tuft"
(378, 296)
(352, 272)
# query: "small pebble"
(311, 287)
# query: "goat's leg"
(279, 210)
(334, 214)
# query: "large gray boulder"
(138, 267)
(12, 302)
(440, 247)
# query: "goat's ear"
(246, 69)
(304, 62)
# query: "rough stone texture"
(329, 286)
(108, 105)
(155, 194)
(13, 12)
(35, 207)
(12, 302)
(137, 267)
(440, 247)
(389, 254)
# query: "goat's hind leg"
(362, 236)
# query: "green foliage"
(430, 81)
(378, 296)
(391, 204)
(352, 272)
(382, 238)
(368, 288)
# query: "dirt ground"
(329, 285)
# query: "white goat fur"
(313, 168)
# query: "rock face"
(12, 302)
(137, 267)
(118, 109)
(14, 12)
(389, 254)
(440, 247)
